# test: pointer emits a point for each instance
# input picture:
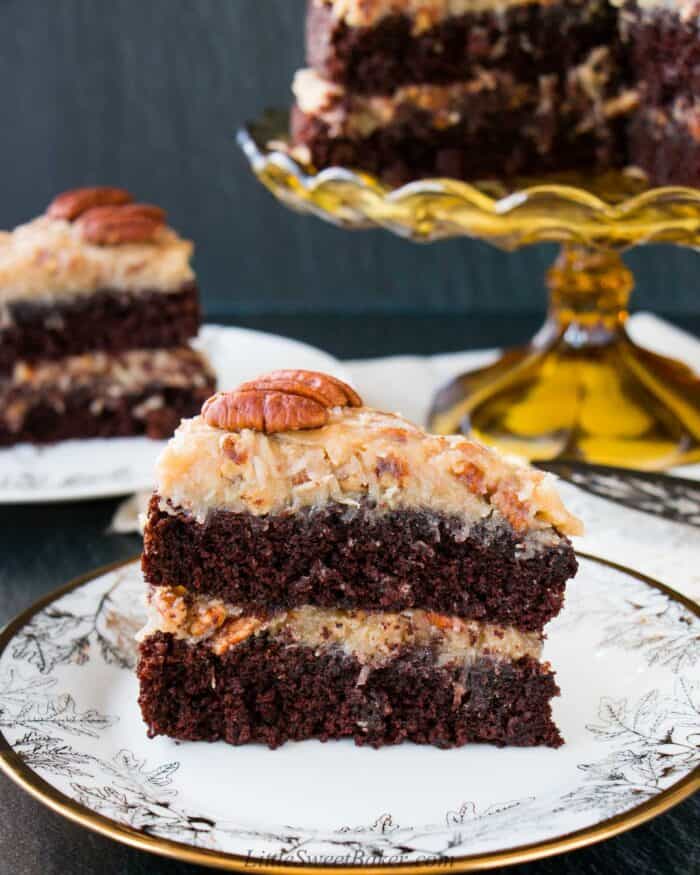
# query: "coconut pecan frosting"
(91, 239)
(294, 439)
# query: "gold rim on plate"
(16, 769)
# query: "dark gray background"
(148, 94)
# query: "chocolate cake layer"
(264, 691)
(491, 140)
(665, 143)
(109, 320)
(664, 54)
(527, 40)
(335, 556)
(664, 137)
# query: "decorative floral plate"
(82, 469)
(627, 654)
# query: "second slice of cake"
(98, 303)
(319, 569)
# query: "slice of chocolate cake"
(97, 305)
(319, 569)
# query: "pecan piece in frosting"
(280, 401)
(233, 632)
(113, 225)
(71, 204)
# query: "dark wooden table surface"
(43, 547)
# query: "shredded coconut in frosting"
(362, 454)
(47, 258)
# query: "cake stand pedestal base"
(582, 389)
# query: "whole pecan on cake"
(323, 388)
(107, 216)
(71, 204)
(130, 223)
(288, 400)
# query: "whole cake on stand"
(517, 122)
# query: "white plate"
(82, 469)
(626, 653)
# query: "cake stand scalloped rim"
(606, 214)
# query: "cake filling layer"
(113, 375)
(48, 259)
(107, 321)
(98, 394)
(665, 142)
(585, 97)
(358, 116)
(373, 638)
(265, 691)
(347, 557)
(361, 455)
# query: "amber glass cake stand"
(581, 389)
